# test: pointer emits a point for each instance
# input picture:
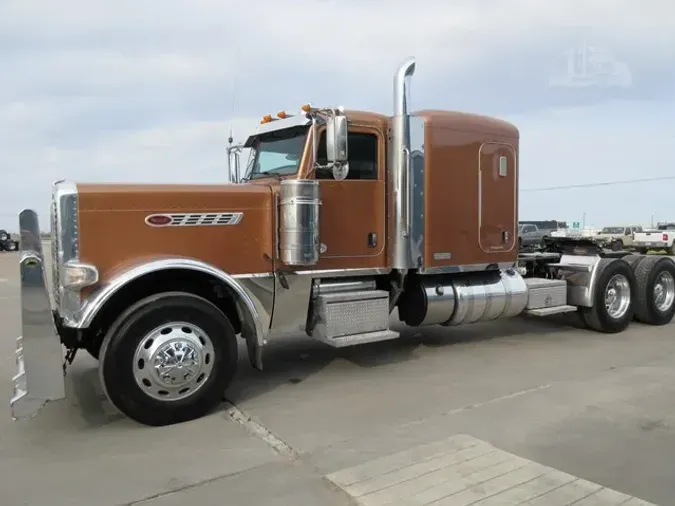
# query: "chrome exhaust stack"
(399, 172)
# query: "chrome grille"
(55, 252)
(195, 219)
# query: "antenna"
(232, 149)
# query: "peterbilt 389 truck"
(343, 219)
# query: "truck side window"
(362, 157)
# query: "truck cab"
(343, 220)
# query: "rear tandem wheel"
(655, 300)
(615, 290)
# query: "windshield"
(612, 230)
(277, 153)
(668, 226)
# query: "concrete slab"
(461, 471)
(274, 484)
(593, 405)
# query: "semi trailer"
(342, 220)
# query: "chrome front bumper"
(39, 354)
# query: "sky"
(148, 91)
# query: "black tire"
(617, 245)
(646, 275)
(116, 362)
(633, 260)
(642, 251)
(597, 317)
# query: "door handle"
(372, 240)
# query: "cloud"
(133, 90)
(613, 141)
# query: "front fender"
(254, 297)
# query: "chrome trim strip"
(39, 355)
(452, 269)
(255, 313)
(340, 273)
(417, 242)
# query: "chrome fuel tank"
(463, 298)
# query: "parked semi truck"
(343, 218)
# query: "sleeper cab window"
(362, 157)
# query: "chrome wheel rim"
(664, 291)
(173, 361)
(617, 296)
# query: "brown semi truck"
(342, 218)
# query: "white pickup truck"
(661, 238)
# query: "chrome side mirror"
(336, 139)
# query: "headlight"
(78, 275)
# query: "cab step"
(351, 317)
(548, 311)
(366, 337)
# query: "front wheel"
(615, 290)
(168, 359)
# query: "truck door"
(497, 197)
(353, 211)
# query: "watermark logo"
(586, 65)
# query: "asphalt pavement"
(562, 410)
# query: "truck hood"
(227, 226)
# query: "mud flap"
(254, 352)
